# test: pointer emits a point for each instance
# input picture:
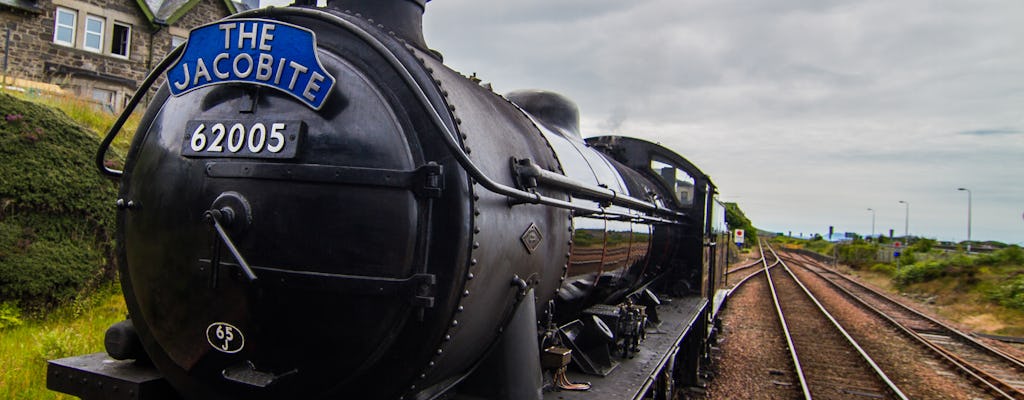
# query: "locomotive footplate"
(681, 322)
(96, 376)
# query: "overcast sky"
(806, 113)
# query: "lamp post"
(872, 221)
(968, 217)
(906, 223)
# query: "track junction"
(808, 331)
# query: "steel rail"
(743, 267)
(805, 389)
(751, 275)
(890, 385)
(992, 351)
(747, 278)
(976, 374)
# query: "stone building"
(97, 49)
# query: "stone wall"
(34, 55)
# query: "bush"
(820, 246)
(857, 255)
(736, 219)
(922, 245)
(907, 257)
(56, 213)
(10, 315)
(1010, 255)
(887, 269)
(56, 343)
(1010, 293)
(959, 266)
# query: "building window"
(121, 39)
(105, 98)
(93, 34)
(64, 27)
(176, 41)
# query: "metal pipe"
(528, 169)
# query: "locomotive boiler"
(315, 206)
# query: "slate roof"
(167, 12)
(24, 5)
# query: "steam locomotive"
(315, 206)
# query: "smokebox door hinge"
(430, 178)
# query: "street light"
(968, 217)
(906, 224)
(872, 221)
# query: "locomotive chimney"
(404, 17)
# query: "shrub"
(922, 245)
(858, 254)
(56, 214)
(1009, 255)
(10, 315)
(736, 219)
(1010, 293)
(907, 257)
(959, 266)
(56, 343)
(887, 269)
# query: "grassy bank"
(57, 290)
(72, 329)
(56, 211)
(88, 114)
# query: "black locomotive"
(315, 206)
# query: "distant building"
(97, 49)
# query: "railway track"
(1000, 374)
(767, 359)
(744, 267)
(827, 360)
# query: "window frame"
(110, 98)
(127, 40)
(85, 38)
(180, 39)
(57, 26)
(677, 184)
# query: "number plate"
(242, 139)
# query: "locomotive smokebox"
(404, 17)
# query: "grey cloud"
(850, 103)
(991, 132)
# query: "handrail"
(101, 153)
(447, 135)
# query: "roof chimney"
(404, 17)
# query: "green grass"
(88, 114)
(56, 211)
(72, 329)
(819, 246)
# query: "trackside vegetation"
(983, 290)
(76, 327)
(57, 289)
(56, 214)
(736, 219)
